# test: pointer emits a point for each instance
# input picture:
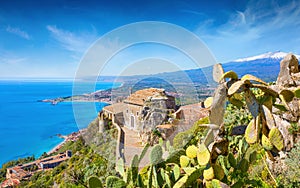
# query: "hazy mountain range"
(265, 66)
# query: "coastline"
(74, 136)
(103, 96)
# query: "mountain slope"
(265, 66)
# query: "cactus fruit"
(218, 171)
(184, 161)
(156, 155)
(203, 155)
(253, 78)
(276, 138)
(230, 74)
(191, 151)
(208, 174)
(95, 182)
(251, 133)
(266, 143)
(208, 101)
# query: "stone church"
(141, 111)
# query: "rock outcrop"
(288, 81)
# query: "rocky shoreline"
(98, 96)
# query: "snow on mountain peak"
(273, 55)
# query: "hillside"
(256, 65)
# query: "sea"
(29, 127)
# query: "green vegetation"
(92, 156)
(192, 135)
(291, 177)
(215, 155)
(73, 172)
(238, 145)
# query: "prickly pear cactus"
(203, 155)
(266, 143)
(95, 182)
(208, 174)
(251, 132)
(191, 151)
(276, 138)
(114, 182)
(184, 161)
(156, 155)
(218, 171)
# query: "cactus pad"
(287, 95)
(297, 92)
(208, 174)
(231, 160)
(184, 161)
(208, 101)
(95, 182)
(229, 74)
(236, 102)
(244, 165)
(115, 182)
(266, 143)
(203, 155)
(218, 171)
(252, 103)
(218, 72)
(156, 155)
(253, 78)
(276, 138)
(251, 132)
(266, 89)
(235, 88)
(269, 117)
(176, 171)
(191, 151)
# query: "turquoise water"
(29, 127)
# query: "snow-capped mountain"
(271, 55)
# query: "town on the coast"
(135, 119)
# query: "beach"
(74, 136)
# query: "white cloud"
(12, 60)
(18, 32)
(78, 43)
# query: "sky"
(49, 39)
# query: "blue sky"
(49, 38)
